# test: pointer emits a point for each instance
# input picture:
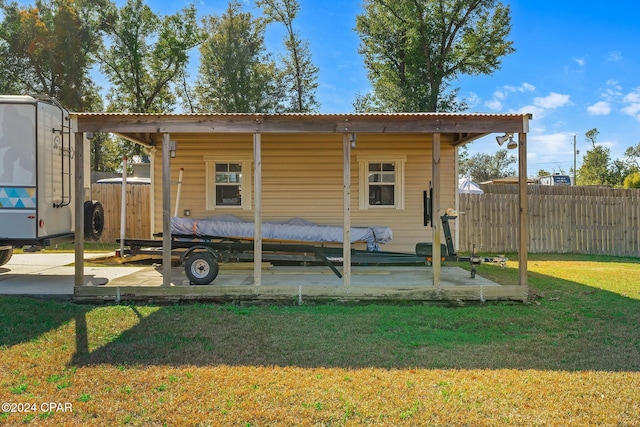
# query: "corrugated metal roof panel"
(305, 115)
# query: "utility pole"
(575, 153)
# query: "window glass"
(381, 179)
(228, 184)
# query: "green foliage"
(414, 50)
(236, 75)
(146, 58)
(632, 180)
(298, 75)
(106, 153)
(597, 167)
(632, 155)
(146, 55)
(35, 42)
(484, 167)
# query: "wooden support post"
(435, 203)
(346, 215)
(166, 210)
(456, 171)
(153, 151)
(123, 206)
(257, 198)
(79, 210)
(523, 235)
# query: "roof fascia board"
(450, 123)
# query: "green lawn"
(569, 357)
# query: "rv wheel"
(93, 220)
(5, 255)
(201, 268)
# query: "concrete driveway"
(52, 274)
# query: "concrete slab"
(53, 274)
(311, 276)
(309, 283)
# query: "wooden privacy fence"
(599, 221)
(138, 214)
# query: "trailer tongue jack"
(449, 253)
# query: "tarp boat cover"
(296, 229)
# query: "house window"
(228, 183)
(381, 181)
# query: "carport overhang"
(156, 130)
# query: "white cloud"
(524, 87)
(494, 104)
(473, 100)
(541, 105)
(632, 104)
(551, 101)
(503, 92)
(580, 61)
(549, 151)
(537, 112)
(614, 56)
(632, 97)
(613, 91)
(632, 110)
(600, 108)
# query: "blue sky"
(576, 67)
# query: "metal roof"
(144, 128)
(305, 115)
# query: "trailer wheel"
(93, 220)
(5, 255)
(201, 268)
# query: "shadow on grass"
(572, 327)
(24, 319)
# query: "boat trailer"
(202, 255)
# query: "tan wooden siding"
(302, 177)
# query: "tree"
(632, 155)
(415, 49)
(485, 167)
(146, 55)
(632, 180)
(106, 153)
(299, 75)
(595, 164)
(50, 48)
(236, 75)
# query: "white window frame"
(399, 161)
(210, 188)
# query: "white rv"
(37, 182)
(555, 179)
